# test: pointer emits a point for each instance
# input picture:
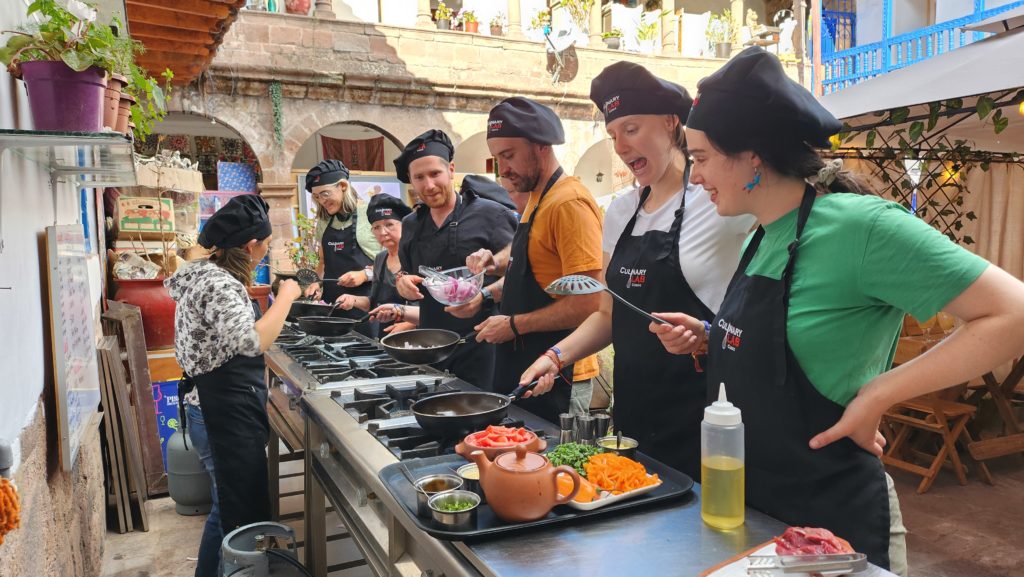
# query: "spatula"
(578, 284)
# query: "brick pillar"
(595, 25)
(423, 19)
(281, 198)
(324, 9)
(515, 19)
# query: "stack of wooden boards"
(126, 485)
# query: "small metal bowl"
(627, 449)
(470, 475)
(427, 487)
(459, 520)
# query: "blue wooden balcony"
(845, 64)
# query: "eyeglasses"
(324, 194)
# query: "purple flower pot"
(63, 100)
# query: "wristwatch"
(487, 296)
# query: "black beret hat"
(383, 206)
(430, 143)
(752, 93)
(625, 88)
(326, 172)
(519, 117)
(242, 219)
(487, 188)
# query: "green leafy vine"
(275, 100)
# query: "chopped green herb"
(454, 506)
(573, 454)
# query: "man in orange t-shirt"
(559, 234)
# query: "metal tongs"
(837, 564)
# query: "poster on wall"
(73, 337)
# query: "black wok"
(310, 309)
(428, 346)
(327, 326)
(455, 415)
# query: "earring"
(753, 183)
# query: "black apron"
(382, 290)
(233, 398)
(522, 294)
(472, 362)
(659, 396)
(841, 487)
(341, 255)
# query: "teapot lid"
(521, 460)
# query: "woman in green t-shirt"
(809, 325)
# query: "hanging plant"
(275, 101)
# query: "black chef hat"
(326, 172)
(383, 206)
(430, 143)
(519, 117)
(242, 219)
(625, 88)
(752, 93)
(487, 188)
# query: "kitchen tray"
(674, 485)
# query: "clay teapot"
(521, 486)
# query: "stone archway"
(601, 170)
(472, 154)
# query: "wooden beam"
(162, 56)
(196, 7)
(172, 19)
(141, 31)
(161, 45)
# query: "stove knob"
(325, 450)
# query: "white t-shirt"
(709, 244)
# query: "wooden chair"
(931, 415)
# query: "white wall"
(869, 21)
(398, 12)
(361, 10)
(950, 9)
(909, 15)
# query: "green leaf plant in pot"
(469, 21)
(443, 16)
(612, 39)
(63, 61)
(721, 33)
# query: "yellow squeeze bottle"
(721, 464)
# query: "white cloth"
(709, 244)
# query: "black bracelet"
(512, 325)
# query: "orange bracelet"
(551, 355)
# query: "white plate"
(607, 498)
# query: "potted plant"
(612, 39)
(498, 24)
(541, 22)
(63, 61)
(443, 16)
(300, 7)
(303, 251)
(469, 21)
(647, 30)
(579, 11)
(720, 33)
(150, 98)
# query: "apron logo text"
(337, 246)
(732, 335)
(636, 276)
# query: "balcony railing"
(848, 67)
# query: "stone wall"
(62, 514)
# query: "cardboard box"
(157, 178)
(145, 218)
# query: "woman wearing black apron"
(219, 343)
(347, 246)
(658, 398)
(440, 233)
(810, 322)
(385, 214)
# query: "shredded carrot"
(9, 509)
(617, 474)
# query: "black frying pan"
(328, 326)
(426, 346)
(309, 309)
(455, 415)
